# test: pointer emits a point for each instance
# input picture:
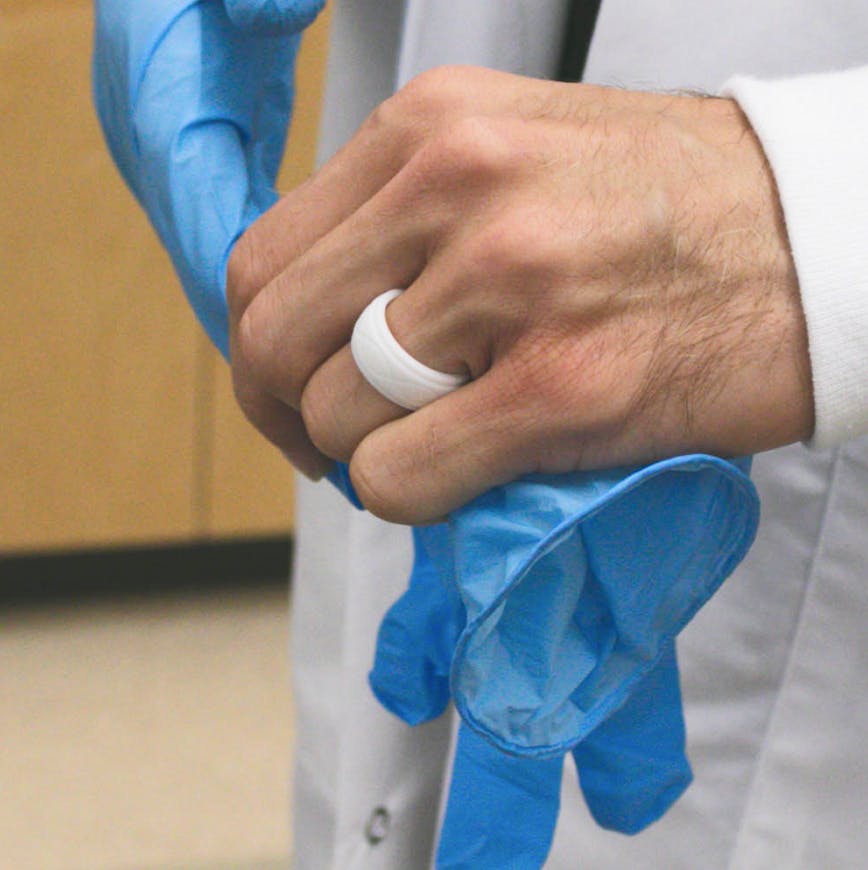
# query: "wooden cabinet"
(117, 424)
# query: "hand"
(610, 267)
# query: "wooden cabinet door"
(116, 424)
(97, 351)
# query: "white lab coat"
(774, 669)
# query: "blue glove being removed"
(194, 99)
(502, 809)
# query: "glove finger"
(634, 765)
(410, 676)
(501, 810)
(273, 16)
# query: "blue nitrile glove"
(194, 99)
(502, 810)
(632, 767)
(574, 586)
(417, 637)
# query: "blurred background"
(145, 529)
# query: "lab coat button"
(378, 825)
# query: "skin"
(610, 267)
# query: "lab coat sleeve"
(814, 130)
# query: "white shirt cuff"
(814, 130)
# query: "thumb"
(273, 16)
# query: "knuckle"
(410, 113)
(260, 409)
(257, 352)
(247, 350)
(421, 109)
(322, 421)
(389, 121)
(469, 150)
(576, 383)
(247, 399)
(450, 170)
(433, 94)
(513, 248)
(492, 249)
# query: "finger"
(338, 404)
(501, 809)
(300, 218)
(410, 676)
(339, 407)
(440, 197)
(273, 17)
(284, 428)
(306, 314)
(440, 457)
(634, 765)
(266, 361)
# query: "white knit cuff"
(814, 130)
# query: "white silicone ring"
(388, 368)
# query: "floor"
(146, 734)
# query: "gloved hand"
(194, 99)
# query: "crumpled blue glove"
(576, 587)
(194, 99)
(572, 588)
(575, 584)
(502, 809)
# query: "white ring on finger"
(388, 368)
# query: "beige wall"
(117, 423)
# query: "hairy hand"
(610, 267)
